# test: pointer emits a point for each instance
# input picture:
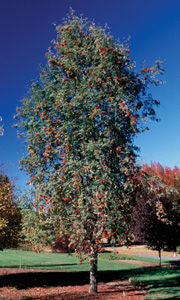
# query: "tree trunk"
(159, 257)
(93, 272)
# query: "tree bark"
(159, 257)
(93, 272)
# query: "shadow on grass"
(47, 279)
(174, 263)
(155, 278)
(163, 281)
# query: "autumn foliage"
(157, 216)
(167, 175)
(10, 216)
(170, 177)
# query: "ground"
(16, 283)
(144, 251)
(22, 278)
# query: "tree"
(10, 215)
(156, 222)
(33, 229)
(170, 177)
(79, 122)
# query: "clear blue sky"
(26, 29)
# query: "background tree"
(170, 177)
(35, 224)
(79, 122)
(156, 222)
(10, 215)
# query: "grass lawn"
(54, 261)
(161, 283)
(116, 256)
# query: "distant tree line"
(10, 214)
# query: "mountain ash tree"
(79, 121)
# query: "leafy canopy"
(79, 122)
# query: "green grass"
(118, 256)
(161, 283)
(54, 261)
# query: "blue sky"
(26, 29)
